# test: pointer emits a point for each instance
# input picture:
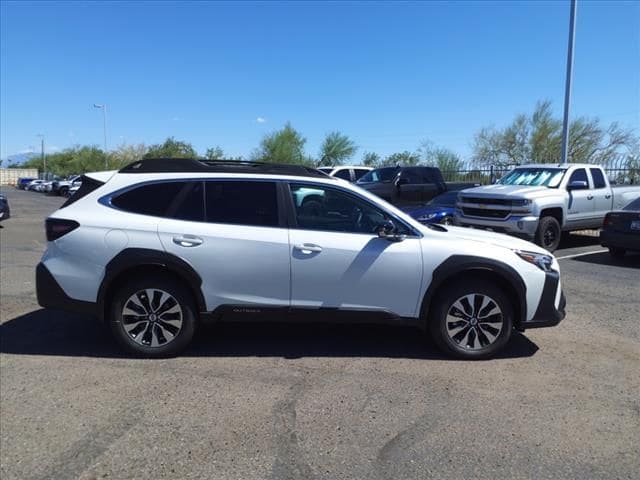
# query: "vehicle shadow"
(630, 260)
(49, 332)
(573, 240)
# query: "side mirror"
(577, 185)
(387, 230)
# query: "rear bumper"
(547, 314)
(628, 241)
(51, 295)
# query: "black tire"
(548, 234)
(443, 328)
(63, 191)
(149, 330)
(617, 252)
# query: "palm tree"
(335, 149)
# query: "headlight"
(427, 216)
(540, 260)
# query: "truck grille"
(486, 213)
(486, 201)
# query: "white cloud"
(26, 150)
(261, 120)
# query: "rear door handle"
(590, 197)
(608, 195)
(308, 248)
(187, 241)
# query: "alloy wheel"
(474, 321)
(152, 317)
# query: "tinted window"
(359, 172)
(579, 175)
(598, 178)
(412, 176)
(242, 203)
(385, 174)
(153, 199)
(189, 204)
(327, 209)
(344, 174)
(635, 205)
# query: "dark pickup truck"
(408, 185)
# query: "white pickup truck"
(540, 201)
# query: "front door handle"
(187, 241)
(608, 195)
(308, 248)
(590, 197)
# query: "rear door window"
(242, 203)
(598, 178)
(152, 199)
(360, 172)
(345, 174)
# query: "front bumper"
(547, 314)
(520, 225)
(51, 295)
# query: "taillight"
(607, 220)
(57, 227)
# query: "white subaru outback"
(162, 244)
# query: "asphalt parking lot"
(319, 401)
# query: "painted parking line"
(581, 254)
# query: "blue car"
(440, 209)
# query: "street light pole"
(42, 157)
(567, 90)
(103, 106)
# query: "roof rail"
(188, 165)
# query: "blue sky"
(390, 75)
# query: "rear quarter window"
(153, 199)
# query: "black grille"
(481, 212)
(486, 201)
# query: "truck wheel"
(617, 252)
(472, 320)
(549, 233)
(63, 191)
(153, 317)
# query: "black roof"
(198, 165)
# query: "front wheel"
(63, 192)
(617, 252)
(153, 317)
(549, 233)
(472, 320)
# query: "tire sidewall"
(170, 286)
(438, 319)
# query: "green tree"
(335, 149)
(283, 146)
(538, 138)
(125, 154)
(171, 148)
(371, 159)
(443, 158)
(215, 153)
(405, 158)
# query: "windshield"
(379, 175)
(538, 177)
(445, 200)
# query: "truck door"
(409, 186)
(602, 195)
(581, 200)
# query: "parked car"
(23, 182)
(74, 188)
(348, 173)
(621, 230)
(5, 211)
(161, 244)
(540, 201)
(61, 187)
(404, 186)
(33, 185)
(440, 209)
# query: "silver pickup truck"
(540, 201)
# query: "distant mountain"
(18, 158)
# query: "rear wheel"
(64, 191)
(153, 317)
(549, 233)
(617, 252)
(472, 320)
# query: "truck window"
(579, 175)
(598, 178)
(345, 174)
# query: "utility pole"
(42, 157)
(103, 106)
(567, 90)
